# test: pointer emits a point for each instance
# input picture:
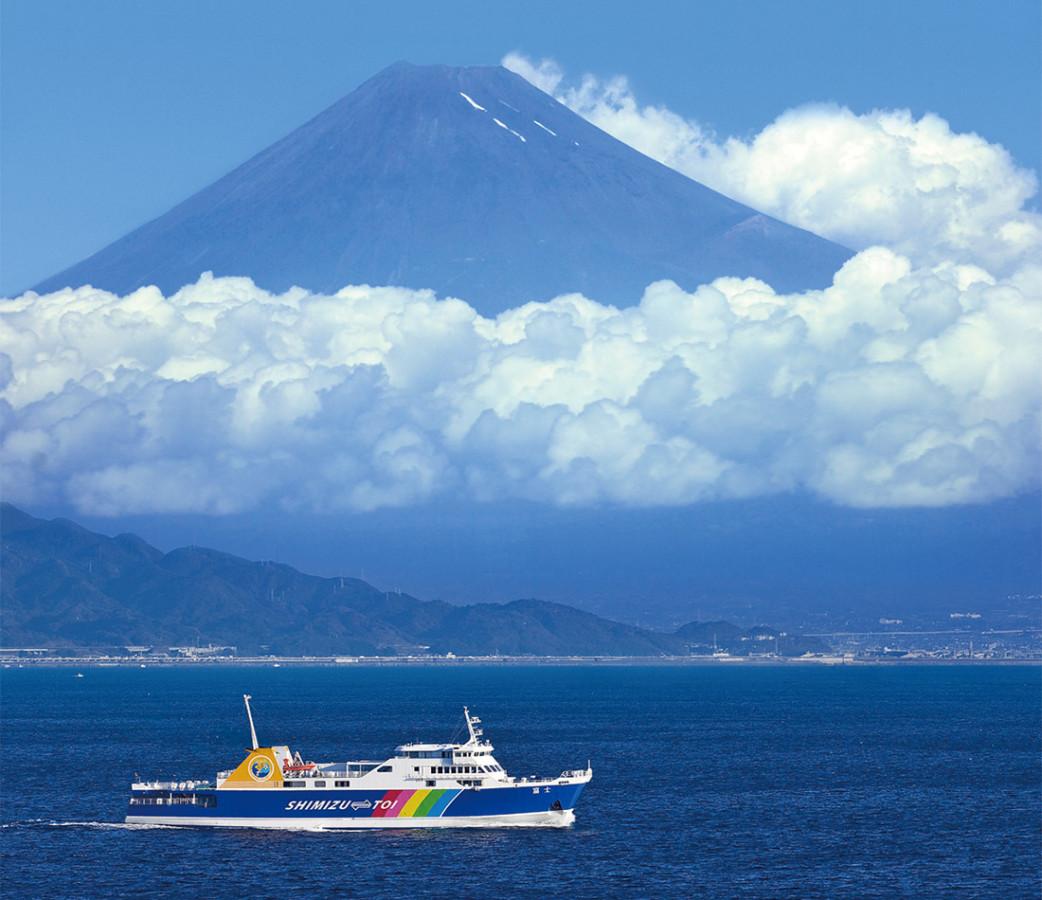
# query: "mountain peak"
(468, 180)
(434, 71)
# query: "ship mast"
(475, 733)
(249, 715)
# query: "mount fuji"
(469, 181)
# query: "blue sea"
(708, 781)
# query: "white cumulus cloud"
(880, 177)
(895, 386)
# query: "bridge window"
(384, 769)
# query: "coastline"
(435, 661)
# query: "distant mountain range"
(469, 181)
(64, 586)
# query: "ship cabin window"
(431, 783)
(166, 798)
(384, 769)
(320, 784)
(293, 784)
(341, 784)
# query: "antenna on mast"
(249, 715)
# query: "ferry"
(437, 785)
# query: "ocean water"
(708, 781)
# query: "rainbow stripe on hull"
(408, 804)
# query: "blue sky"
(114, 111)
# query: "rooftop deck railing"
(172, 785)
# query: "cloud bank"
(895, 386)
(883, 177)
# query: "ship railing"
(354, 770)
(172, 786)
(550, 779)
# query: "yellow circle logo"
(260, 768)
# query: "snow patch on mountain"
(503, 124)
(472, 102)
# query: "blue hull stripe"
(348, 804)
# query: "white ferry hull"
(553, 819)
(462, 787)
